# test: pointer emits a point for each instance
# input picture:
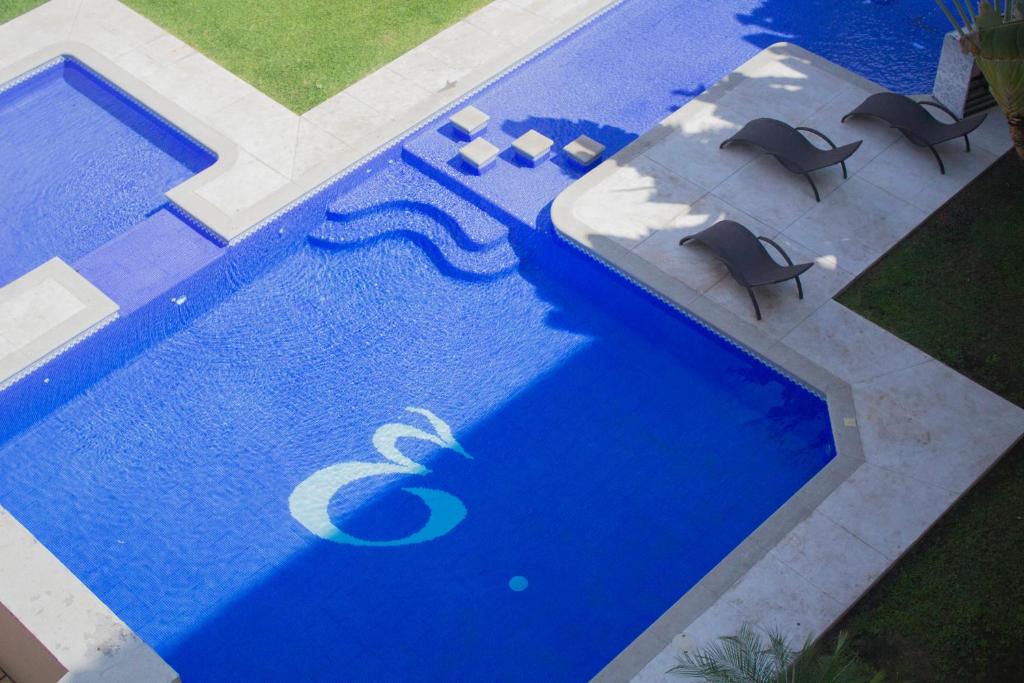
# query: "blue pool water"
(238, 473)
(608, 449)
(79, 164)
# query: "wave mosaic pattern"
(238, 472)
(80, 163)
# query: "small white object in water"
(179, 300)
(280, 231)
(919, 46)
(46, 380)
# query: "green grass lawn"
(12, 8)
(301, 52)
(953, 608)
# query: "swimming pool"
(240, 478)
(80, 163)
(577, 482)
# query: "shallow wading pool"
(80, 163)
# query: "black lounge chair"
(793, 150)
(912, 119)
(747, 259)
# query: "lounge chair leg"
(753, 299)
(968, 141)
(814, 187)
(843, 164)
(799, 287)
(942, 167)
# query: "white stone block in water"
(532, 146)
(479, 154)
(469, 121)
(584, 151)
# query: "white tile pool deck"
(925, 434)
(920, 433)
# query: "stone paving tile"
(314, 147)
(346, 118)
(993, 135)
(781, 309)
(851, 346)
(911, 172)
(166, 49)
(855, 224)
(773, 195)
(772, 595)
(693, 264)
(37, 28)
(199, 86)
(422, 66)
(690, 150)
(35, 311)
(887, 510)
(245, 183)
(636, 200)
(44, 310)
(787, 89)
(548, 9)
(875, 136)
(139, 64)
(931, 423)
(112, 28)
(387, 92)
(506, 21)
(466, 46)
(267, 130)
(818, 541)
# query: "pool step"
(402, 188)
(436, 238)
(148, 260)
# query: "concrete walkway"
(926, 433)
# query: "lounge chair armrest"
(819, 134)
(929, 103)
(780, 249)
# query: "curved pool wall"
(284, 356)
(80, 163)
